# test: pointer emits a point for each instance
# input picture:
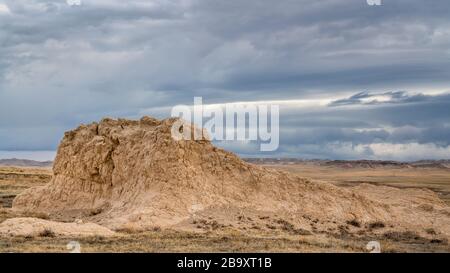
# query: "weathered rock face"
(118, 172)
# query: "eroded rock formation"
(118, 172)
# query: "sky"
(353, 81)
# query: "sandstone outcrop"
(118, 172)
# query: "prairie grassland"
(168, 241)
(14, 180)
(435, 179)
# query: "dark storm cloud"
(63, 65)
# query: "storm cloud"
(375, 79)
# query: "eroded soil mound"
(42, 228)
(122, 172)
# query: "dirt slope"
(40, 227)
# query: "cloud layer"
(62, 65)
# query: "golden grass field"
(14, 180)
(435, 179)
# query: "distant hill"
(25, 163)
(441, 164)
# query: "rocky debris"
(134, 173)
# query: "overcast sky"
(355, 81)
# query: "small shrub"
(376, 225)
(430, 231)
(285, 225)
(95, 212)
(156, 229)
(402, 236)
(354, 223)
(271, 227)
(130, 228)
(301, 231)
(47, 233)
(436, 241)
(215, 225)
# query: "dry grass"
(14, 180)
(175, 241)
(435, 179)
(284, 237)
